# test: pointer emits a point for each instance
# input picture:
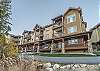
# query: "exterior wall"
(32, 37)
(27, 37)
(95, 37)
(38, 34)
(21, 40)
(94, 41)
(84, 26)
(48, 32)
(58, 42)
(58, 28)
(77, 22)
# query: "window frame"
(73, 41)
(68, 17)
(72, 29)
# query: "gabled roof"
(72, 8)
(48, 25)
(96, 26)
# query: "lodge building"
(67, 33)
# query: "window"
(59, 45)
(71, 18)
(72, 29)
(73, 41)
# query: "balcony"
(76, 46)
(44, 48)
(58, 25)
(39, 33)
(58, 35)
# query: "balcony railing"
(58, 35)
(57, 26)
(76, 46)
(44, 48)
(39, 34)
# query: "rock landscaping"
(16, 64)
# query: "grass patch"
(63, 55)
(97, 53)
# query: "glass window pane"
(72, 29)
(71, 18)
(73, 41)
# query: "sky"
(27, 13)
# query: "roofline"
(46, 26)
(96, 26)
(57, 17)
(72, 8)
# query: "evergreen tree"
(5, 13)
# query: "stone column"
(63, 50)
(52, 45)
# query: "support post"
(22, 49)
(62, 27)
(90, 49)
(38, 48)
(63, 50)
(33, 48)
(52, 45)
(25, 48)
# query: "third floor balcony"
(58, 25)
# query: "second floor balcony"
(60, 34)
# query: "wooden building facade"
(67, 33)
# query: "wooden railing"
(58, 35)
(76, 46)
(56, 26)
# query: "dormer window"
(71, 18)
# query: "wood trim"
(46, 49)
(75, 48)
